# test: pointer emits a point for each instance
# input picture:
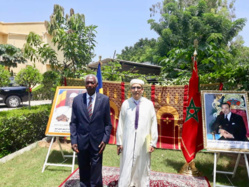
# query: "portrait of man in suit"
(229, 125)
(90, 129)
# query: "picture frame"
(213, 117)
(61, 111)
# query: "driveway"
(3, 107)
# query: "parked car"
(13, 96)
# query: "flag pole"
(189, 168)
(99, 88)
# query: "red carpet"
(157, 179)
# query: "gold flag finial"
(194, 58)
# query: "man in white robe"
(137, 128)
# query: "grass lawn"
(25, 170)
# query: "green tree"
(4, 76)
(51, 79)
(113, 72)
(180, 26)
(209, 27)
(30, 77)
(142, 51)
(235, 75)
(11, 56)
(72, 36)
(37, 51)
(181, 22)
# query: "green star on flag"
(192, 111)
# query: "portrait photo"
(60, 116)
(225, 120)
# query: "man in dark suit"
(229, 125)
(90, 130)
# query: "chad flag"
(61, 101)
(99, 89)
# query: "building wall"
(16, 33)
(3, 38)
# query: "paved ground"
(3, 107)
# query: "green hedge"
(43, 93)
(20, 127)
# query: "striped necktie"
(89, 108)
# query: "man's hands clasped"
(226, 134)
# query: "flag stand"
(64, 156)
(190, 169)
(216, 156)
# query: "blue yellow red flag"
(99, 89)
(61, 101)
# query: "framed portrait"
(225, 121)
(60, 115)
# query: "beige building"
(16, 33)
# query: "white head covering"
(72, 95)
(137, 81)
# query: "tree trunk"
(29, 97)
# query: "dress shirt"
(136, 101)
(228, 116)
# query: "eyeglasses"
(136, 87)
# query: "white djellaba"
(135, 159)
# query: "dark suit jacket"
(85, 131)
(235, 126)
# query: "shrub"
(51, 79)
(30, 76)
(42, 93)
(4, 76)
(21, 127)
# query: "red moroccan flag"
(192, 135)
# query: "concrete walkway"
(3, 107)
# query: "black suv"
(13, 96)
